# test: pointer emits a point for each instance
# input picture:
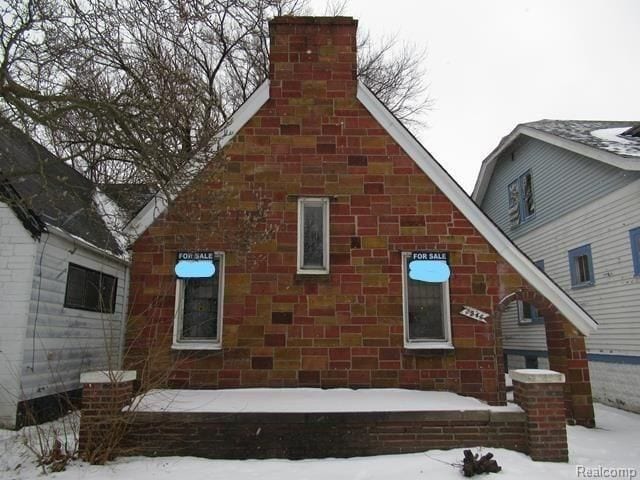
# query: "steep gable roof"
(604, 141)
(38, 182)
(505, 247)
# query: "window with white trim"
(426, 311)
(313, 235)
(521, 202)
(581, 266)
(198, 311)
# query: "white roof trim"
(60, 233)
(158, 204)
(488, 165)
(525, 267)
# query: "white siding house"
(17, 259)
(585, 234)
(63, 280)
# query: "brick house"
(327, 298)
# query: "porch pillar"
(104, 395)
(568, 354)
(540, 394)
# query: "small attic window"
(632, 132)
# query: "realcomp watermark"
(621, 473)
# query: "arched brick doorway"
(566, 350)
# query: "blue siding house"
(568, 194)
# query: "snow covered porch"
(315, 423)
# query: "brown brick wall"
(544, 406)
(314, 138)
(567, 355)
(102, 405)
(317, 435)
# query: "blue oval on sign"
(432, 271)
(195, 269)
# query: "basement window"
(313, 236)
(90, 290)
(198, 310)
(427, 322)
(521, 202)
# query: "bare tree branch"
(132, 90)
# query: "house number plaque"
(474, 313)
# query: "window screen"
(521, 200)
(425, 309)
(198, 321)
(313, 235)
(200, 313)
(313, 248)
(90, 290)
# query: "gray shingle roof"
(606, 137)
(56, 193)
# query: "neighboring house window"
(635, 250)
(90, 290)
(521, 202)
(313, 235)
(531, 361)
(528, 313)
(198, 315)
(426, 311)
(581, 266)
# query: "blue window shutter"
(635, 249)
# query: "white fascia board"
(158, 204)
(488, 165)
(74, 239)
(505, 248)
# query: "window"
(198, 315)
(635, 250)
(528, 313)
(313, 235)
(521, 203)
(531, 361)
(90, 290)
(581, 266)
(426, 311)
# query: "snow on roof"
(604, 135)
(297, 400)
(615, 142)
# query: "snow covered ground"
(615, 443)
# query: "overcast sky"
(492, 64)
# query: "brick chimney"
(313, 56)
